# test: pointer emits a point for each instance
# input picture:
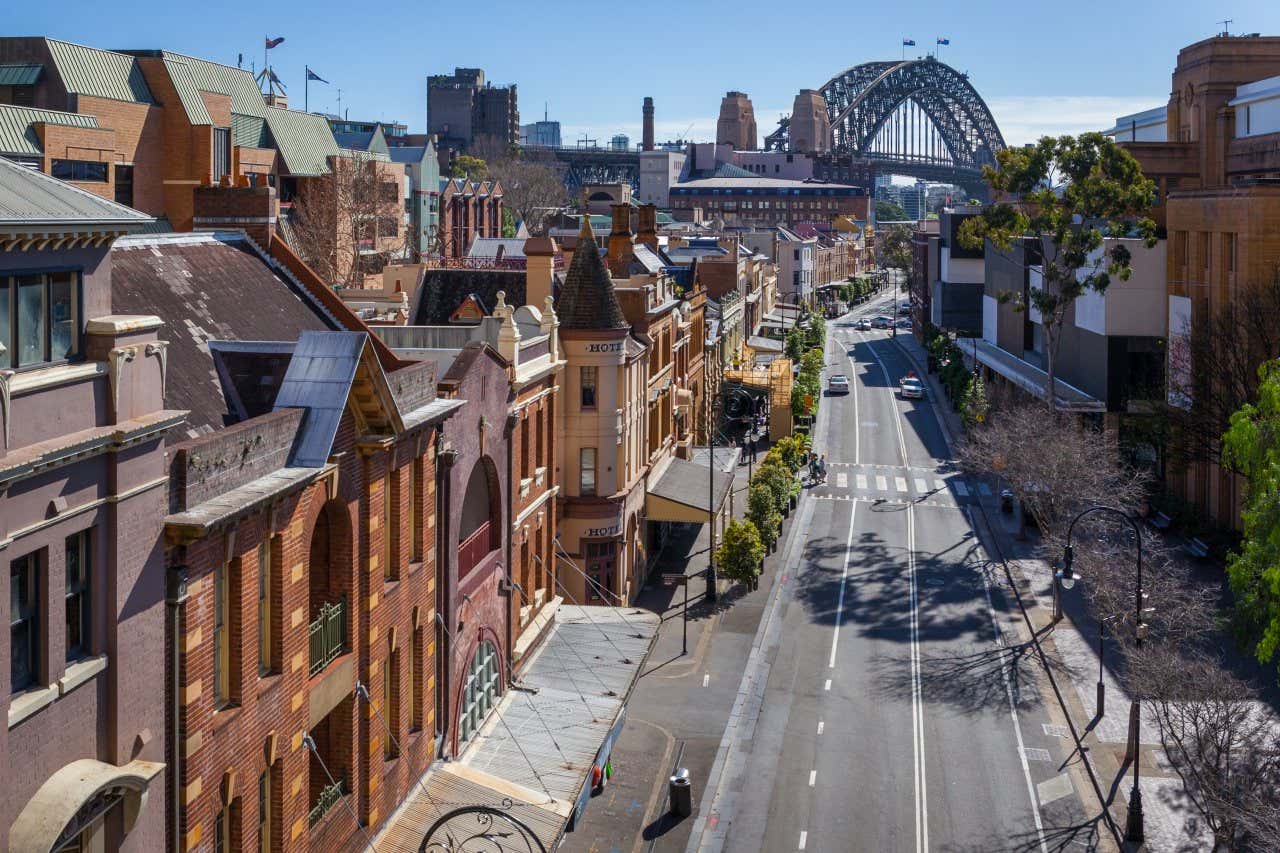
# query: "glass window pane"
(6, 321)
(62, 319)
(32, 330)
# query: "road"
(889, 721)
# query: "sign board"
(674, 580)
(808, 402)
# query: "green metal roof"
(304, 141)
(20, 75)
(17, 136)
(249, 131)
(188, 92)
(225, 80)
(29, 198)
(101, 73)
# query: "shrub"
(740, 552)
(762, 513)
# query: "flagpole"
(306, 91)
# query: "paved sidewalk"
(1071, 647)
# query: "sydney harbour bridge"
(916, 117)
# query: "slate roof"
(407, 153)
(100, 73)
(17, 136)
(199, 284)
(442, 291)
(587, 299)
(30, 199)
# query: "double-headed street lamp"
(1067, 578)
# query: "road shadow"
(1086, 835)
(971, 681)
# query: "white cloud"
(1025, 119)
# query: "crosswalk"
(898, 485)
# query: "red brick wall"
(139, 140)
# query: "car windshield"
(839, 377)
(913, 383)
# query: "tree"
(887, 211)
(339, 216)
(532, 188)
(763, 514)
(773, 474)
(1065, 196)
(974, 407)
(1252, 446)
(893, 248)
(817, 333)
(795, 345)
(509, 228)
(740, 553)
(468, 166)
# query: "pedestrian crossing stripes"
(861, 480)
(842, 480)
(900, 483)
(882, 483)
(930, 490)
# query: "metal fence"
(328, 634)
(330, 796)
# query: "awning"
(1031, 379)
(533, 757)
(763, 344)
(686, 492)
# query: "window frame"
(265, 814)
(11, 337)
(75, 167)
(583, 386)
(27, 620)
(222, 636)
(583, 488)
(83, 591)
(265, 646)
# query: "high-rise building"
(462, 107)
(737, 122)
(540, 134)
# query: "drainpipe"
(175, 597)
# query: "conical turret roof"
(587, 300)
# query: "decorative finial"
(502, 301)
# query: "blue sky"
(1043, 67)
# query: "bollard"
(680, 793)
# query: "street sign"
(674, 580)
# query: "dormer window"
(39, 319)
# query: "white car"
(911, 388)
(838, 384)
(863, 325)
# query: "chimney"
(647, 232)
(540, 255)
(647, 144)
(620, 239)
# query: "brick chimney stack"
(540, 255)
(620, 239)
(647, 144)
(647, 230)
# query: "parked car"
(863, 325)
(903, 323)
(881, 322)
(911, 388)
(838, 384)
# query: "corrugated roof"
(24, 74)
(29, 198)
(17, 136)
(101, 73)
(248, 131)
(224, 80)
(305, 141)
(188, 92)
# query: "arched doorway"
(480, 525)
(83, 806)
(480, 690)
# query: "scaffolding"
(776, 378)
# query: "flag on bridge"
(273, 42)
(311, 75)
(941, 40)
(908, 42)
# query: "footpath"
(1070, 648)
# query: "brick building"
(462, 108)
(759, 202)
(83, 429)
(468, 209)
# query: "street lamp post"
(713, 428)
(1067, 578)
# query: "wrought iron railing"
(328, 634)
(329, 797)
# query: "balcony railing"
(329, 797)
(328, 634)
(473, 549)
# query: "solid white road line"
(813, 778)
(897, 419)
(917, 701)
(857, 422)
(827, 686)
(804, 837)
(844, 575)
(821, 726)
(1013, 707)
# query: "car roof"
(836, 376)
(913, 379)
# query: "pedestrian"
(751, 446)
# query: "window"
(264, 811)
(124, 185)
(85, 171)
(1229, 249)
(221, 646)
(221, 152)
(526, 452)
(587, 471)
(222, 831)
(391, 705)
(264, 606)
(24, 622)
(78, 601)
(39, 320)
(1204, 252)
(588, 381)
(415, 680)
(538, 440)
(388, 525)
(414, 486)
(480, 691)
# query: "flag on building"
(941, 40)
(311, 75)
(273, 42)
(908, 42)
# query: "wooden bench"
(1161, 521)
(1197, 548)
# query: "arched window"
(480, 527)
(481, 690)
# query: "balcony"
(328, 635)
(329, 797)
(474, 548)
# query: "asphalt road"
(887, 723)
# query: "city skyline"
(1094, 83)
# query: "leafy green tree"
(777, 479)
(1064, 197)
(817, 334)
(467, 166)
(763, 514)
(887, 211)
(740, 553)
(893, 248)
(794, 345)
(1252, 446)
(508, 223)
(975, 406)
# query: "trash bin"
(680, 793)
